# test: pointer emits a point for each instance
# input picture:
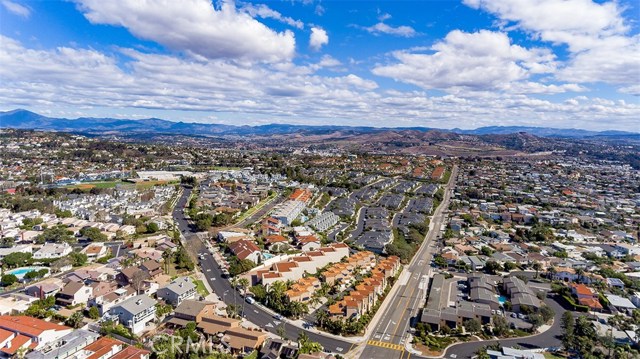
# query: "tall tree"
(568, 328)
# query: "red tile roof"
(131, 352)
(102, 346)
(243, 248)
(16, 343)
(32, 327)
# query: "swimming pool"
(267, 255)
(20, 272)
(502, 299)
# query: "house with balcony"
(177, 291)
(74, 293)
(135, 313)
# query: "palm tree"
(234, 284)
(322, 316)
(537, 266)
(275, 295)
(315, 299)
(306, 346)
(551, 271)
(297, 309)
(244, 284)
(167, 257)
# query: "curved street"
(230, 296)
(549, 338)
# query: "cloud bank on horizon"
(572, 63)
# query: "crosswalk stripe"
(386, 345)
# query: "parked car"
(250, 300)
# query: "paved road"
(253, 313)
(392, 330)
(259, 213)
(550, 338)
(338, 228)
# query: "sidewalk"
(299, 323)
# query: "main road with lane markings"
(391, 332)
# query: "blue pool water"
(267, 255)
(20, 272)
(502, 299)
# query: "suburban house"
(245, 249)
(191, 310)
(276, 242)
(303, 289)
(103, 348)
(95, 251)
(521, 294)
(153, 268)
(278, 348)
(178, 290)
(212, 325)
(243, 341)
(53, 250)
(134, 313)
(42, 290)
(74, 293)
(68, 346)
(586, 296)
(107, 301)
(131, 352)
(22, 331)
(308, 243)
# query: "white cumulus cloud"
(71, 80)
(318, 38)
(195, 26)
(596, 34)
(479, 61)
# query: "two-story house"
(177, 291)
(192, 311)
(74, 293)
(134, 313)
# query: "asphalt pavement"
(230, 296)
(387, 340)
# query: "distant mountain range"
(23, 119)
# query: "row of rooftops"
(366, 293)
(49, 340)
(291, 269)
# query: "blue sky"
(443, 64)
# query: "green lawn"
(255, 208)
(98, 184)
(202, 290)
